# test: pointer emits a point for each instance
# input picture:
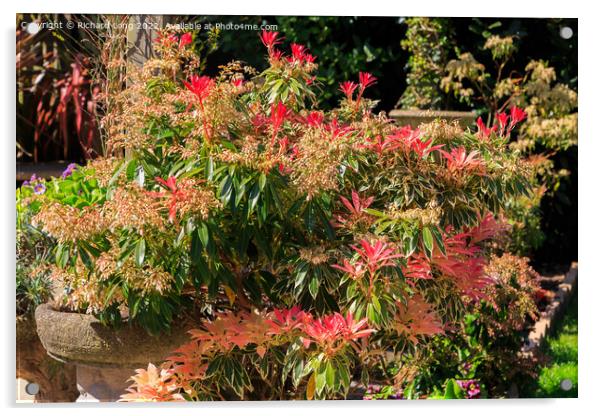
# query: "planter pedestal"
(105, 358)
(96, 384)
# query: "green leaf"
(320, 382)
(261, 181)
(351, 290)
(371, 314)
(264, 366)
(254, 197)
(301, 273)
(290, 359)
(62, 256)
(241, 189)
(298, 372)
(195, 248)
(452, 390)
(374, 212)
(439, 240)
(140, 251)
(83, 254)
(449, 390)
(314, 284)
(130, 171)
(330, 376)
(343, 375)
(376, 303)
(412, 244)
(427, 239)
(409, 390)
(109, 295)
(226, 189)
(203, 233)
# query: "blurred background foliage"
(343, 46)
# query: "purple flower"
(39, 189)
(373, 388)
(465, 368)
(474, 392)
(31, 180)
(378, 392)
(471, 387)
(69, 170)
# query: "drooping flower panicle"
(185, 197)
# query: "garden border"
(550, 318)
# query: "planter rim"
(81, 339)
(417, 117)
(431, 113)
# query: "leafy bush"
(492, 78)
(551, 126)
(427, 41)
(498, 326)
(33, 251)
(483, 350)
(320, 247)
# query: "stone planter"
(55, 380)
(105, 358)
(416, 117)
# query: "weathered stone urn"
(104, 357)
(416, 117)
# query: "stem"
(371, 285)
(240, 292)
(205, 129)
(360, 93)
